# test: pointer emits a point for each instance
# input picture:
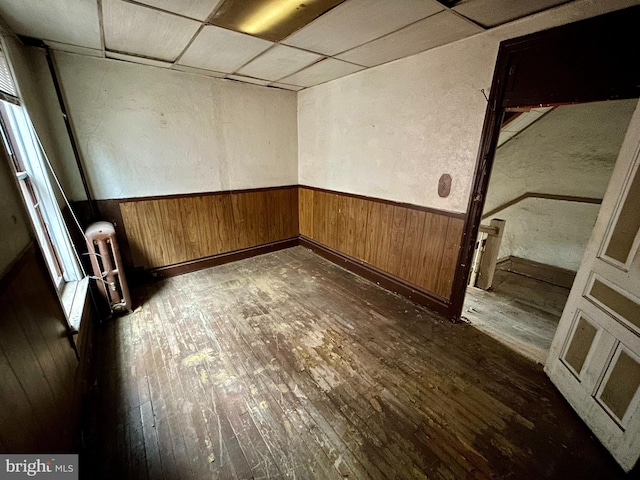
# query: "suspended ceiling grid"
(320, 41)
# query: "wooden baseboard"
(385, 280)
(540, 271)
(159, 273)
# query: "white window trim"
(35, 180)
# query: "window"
(29, 163)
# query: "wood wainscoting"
(174, 230)
(40, 381)
(410, 249)
(414, 244)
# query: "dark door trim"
(590, 60)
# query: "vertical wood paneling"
(194, 245)
(378, 232)
(321, 211)
(166, 231)
(351, 239)
(344, 233)
(361, 214)
(292, 225)
(396, 241)
(276, 204)
(432, 247)
(332, 205)
(371, 238)
(222, 220)
(214, 210)
(256, 221)
(242, 229)
(449, 257)
(418, 246)
(37, 364)
(135, 235)
(305, 212)
(18, 420)
(320, 218)
(173, 238)
(413, 240)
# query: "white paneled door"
(595, 357)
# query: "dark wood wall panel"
(414, 244)
(165, 231)
(38, 366)
(305, 212)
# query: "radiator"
(107, 266)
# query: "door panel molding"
(618, 300)
(630, 211)
(630, 383)
(607, 394)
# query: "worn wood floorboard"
(287, 366)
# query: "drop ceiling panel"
(199, 9)
(222, 50)
(269, 19)
(279, 62)
(444, 27)
(73, 22)
(143, 31)
(323, 71)
(490, 13)
(358, 21)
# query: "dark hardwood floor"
(287, 366)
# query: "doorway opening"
(551, 169)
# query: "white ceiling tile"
(222, 50)
(134, 59)
(286, 87)
(444, 27)
(490, 13)
(254, 81)
(200, 9)
(323, 71)
(359, 21)
(143, 31)
(74, 22)
(198, 71)
(279, 62)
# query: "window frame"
(29, 164)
